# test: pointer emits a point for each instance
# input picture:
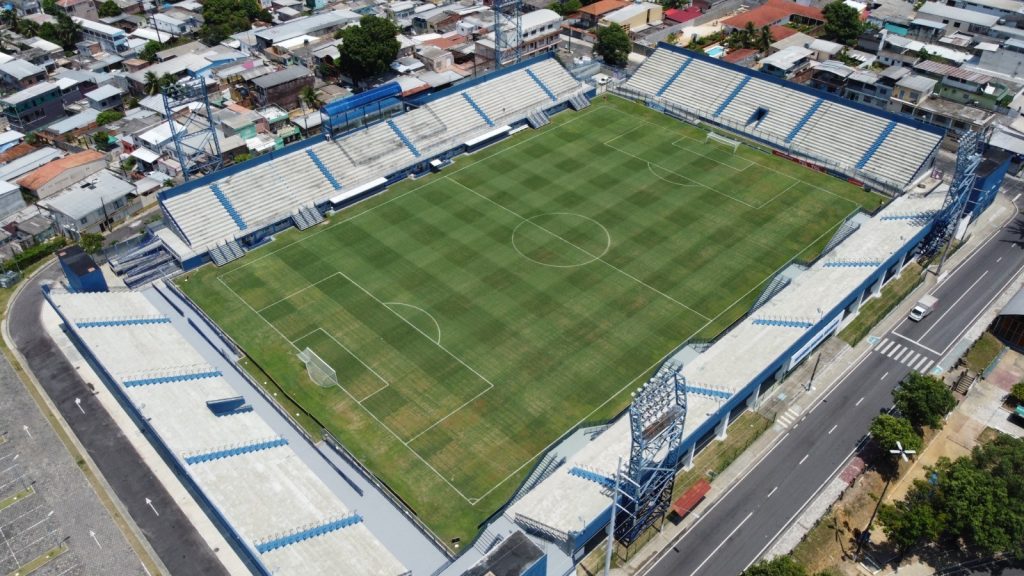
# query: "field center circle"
(561, 239)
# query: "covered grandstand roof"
(287, 518)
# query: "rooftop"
(919, 83)
(304, 25)
(30, 93)
(103, 92)
(40, 176)
(787, 57)
(19, 69)
(89, 195)
(945, 70)
(73, 122)
(937, 10)
(773, 12)
(282, 76)
(602, 7)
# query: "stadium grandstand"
(217, 216)
(278, 513)
(882, 150)
(805, 308)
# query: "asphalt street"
(736, 530)
(170, 533)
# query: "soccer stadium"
(476, 294)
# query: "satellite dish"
(902, 451)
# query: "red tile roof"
(780, 32)
(15, 152)
(602, 7)
(739, 55)
(773, 12)
(678, 15)
(40, 176)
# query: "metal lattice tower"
(656, 418)
(195, 140)
(508, 32)
(968, 158)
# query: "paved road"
(736, 530)
(171, 534)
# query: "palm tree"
(764, 39)
(167, 80)
(310, 98)
(151, 83)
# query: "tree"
(1017, 392)
(924, 400)
(909, 523)
(565, 7)
(310, 98)
(764, 39)
(108, 116)
(778, 566)
(887, 430)
(167, 80)
(367, 50)
(65, 32)
(613, 44)
(90, 242)
(148, 52)
(151, 83)
(109, 9)
(842, 22)
(222, 18)
(101, 139)
(49, 7)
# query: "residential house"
(31, 231)
(957, 19)
(787, 63)
(635, 17)
(1007, 58)
(79, 8)
(322, 24)
(111, 39)
(591, 14)
(11, 199)
(17, 74)
(540, 33)
(434, 58)
(282, 88)
(93, 204)
(53, 177)
(33, 107)
(775, 13)
(965, 86)
(105, 97)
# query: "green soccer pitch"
(476, 315)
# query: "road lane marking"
(882, 378)
(953, 305)
(998, 260)
(883, 349)
(916, 342)
(927, 366)
(802, 460)
(832, 429)
(722, 543)
(859, 401)
(911, 360)
(895, 350)
(772, 492)
(902, 356)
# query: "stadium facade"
(377, 142)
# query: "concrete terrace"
(289, 520)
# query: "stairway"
(579, 102)
(537, 118)
(774, 287)
(307, 217)
(964, 382)
(226, 252)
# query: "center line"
(833, 429)
(772, 492)
(806, 456)
(859, 401)
(883, 376)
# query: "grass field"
(476, 315)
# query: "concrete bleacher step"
(537, 119)
(307, 217)
(578, 102)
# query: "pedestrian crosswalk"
(789, 416)
(904, 354)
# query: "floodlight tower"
(968, 158)
(507, 42)
(656, 418)
(195, 140)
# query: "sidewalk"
(791, 398)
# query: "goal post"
(719, 139)
(319, 372)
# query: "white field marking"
(596, 258)
(800, 510)
(630, 131)
(712, 158)
(859, 401)
(763, 166)
(771, 493)
(607, 244)
(431, 316)
(832, 429)
(472, 501)
(360, 360)
(953, 305)
(297, 292)
(254, 311)
(692, 184)
(998, 260)
(1015, 198)
(898, 335)
(722, 543)
(804, 459)
(307, 335)
(538, 134)
(883, 376)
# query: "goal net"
(319, 371)
(719, 139)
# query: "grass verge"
(875, 309)
(37, 563)
(14, 499)
(983, 352)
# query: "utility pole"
(611, 522)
